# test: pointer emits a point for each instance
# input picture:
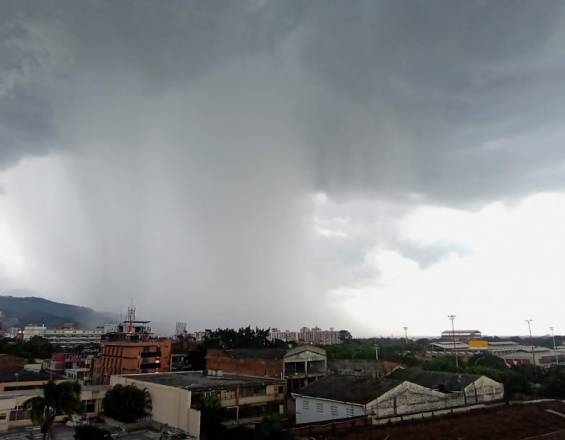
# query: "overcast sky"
(352, 164)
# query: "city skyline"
(366, 165)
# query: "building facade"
(314, 336)
(63, 337)
(14, 414)
(177, 397)
(131, 357)
(460, 335)
(403, 392)
(300, 366)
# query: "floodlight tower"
(529, 321)
(452, 318)
(554, 346)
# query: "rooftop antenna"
(131, 317)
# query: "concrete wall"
(311, 409)
(218, 359)
(171, 405)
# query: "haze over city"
(362, 165)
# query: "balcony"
(150, 354)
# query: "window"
(88, 405)
(319, 407)
(260, 390)
(281, 389)
(228, 395)
(349, 412)
(19, 413)
(305, 404)
(333, 409)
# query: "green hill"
(31, 309)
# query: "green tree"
(211, 416)
(127, 403)
(61, 398)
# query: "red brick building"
(132, 357)
(266, 362)
(300, 366)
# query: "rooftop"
(20, 375)
(364, 389)
(353, 389)
(434, 379)
(198, 381)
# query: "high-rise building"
(180, 328)
(314, 335)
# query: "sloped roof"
(434, 379)
(301, 348)
(8, 374)
(353, 389)
(364, 389)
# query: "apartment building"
(63, 337)
(314, 336)
(131, 357)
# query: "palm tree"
(61, 398)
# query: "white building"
(66, 337)
(180, 328)
(315, 336)
(405, 391)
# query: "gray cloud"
(194, 132)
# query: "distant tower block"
(180, 328)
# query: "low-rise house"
(177, 396)
(405, 391)
(13, 413)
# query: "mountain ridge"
(23, 310)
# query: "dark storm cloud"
(194, 130)
(407, 95)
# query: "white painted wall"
(311, 409)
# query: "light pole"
(452, 318)
(405, 335)
(554, 346)
(529, 321)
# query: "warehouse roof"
(364, 389)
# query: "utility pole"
(406, 335)
(529, 321)
(452, 318)
(554, 346)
